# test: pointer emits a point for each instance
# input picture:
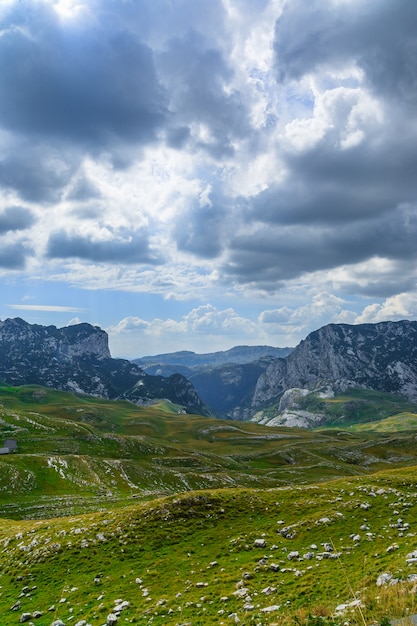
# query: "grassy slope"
(84, 454)
(192, 553)
(358, 406)
(192, 549)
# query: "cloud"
(88, 83)
(271, 255)
(378, 36)
(82, 189)
(254, 154)
(203, 229)
(205, 325)
(396, 308)
(37, 173)
(198, 79)
(13, 256)
(347, 190)
(320, 308)
(45, 307)
(15, 218)
(124, 248)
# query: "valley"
(135, 509)
(110, 511)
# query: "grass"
(192, 551)
(83, 454)
(356, 408)
(107, 501)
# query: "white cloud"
(45, 307)
(396, 308)
(255, 154)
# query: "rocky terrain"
(331, 360)
(245, 383)
(339, 357)
(339, 553)
(193, 363)
(77, 358)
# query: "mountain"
(331, 360)
(372, 356)
(163, 363)
(222, 379)
(245, 383)
(77, 358)
(339, 357)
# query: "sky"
(200, 174)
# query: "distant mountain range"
(224, 380)
(258, 383)
(334, 358)
(77, 358)
(160, 363)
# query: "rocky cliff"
(336, 357)
(77, 358)
(380, 356)
(223, 380)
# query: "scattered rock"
(384, 579)
(270, 609)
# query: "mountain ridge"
(330, 360)
(77, 358)
(335, 357)
(189, 360)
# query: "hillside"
(77, 358)
(78, 453)
(114, 513)
(341, 552)
(323, 408)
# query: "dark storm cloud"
(89, 83)
(37, 173)
(327, 185)
(201, 231)
(272, 255)
(197, 76)
(15, 218)
(400, 279)
(13, 256)
(340, 206)
(379, 35)
(131, 250)
(83, 189)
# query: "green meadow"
(156, 517)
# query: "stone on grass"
(270, 609)
(383, 579)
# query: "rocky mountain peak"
(77, 358)
(379, 356)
